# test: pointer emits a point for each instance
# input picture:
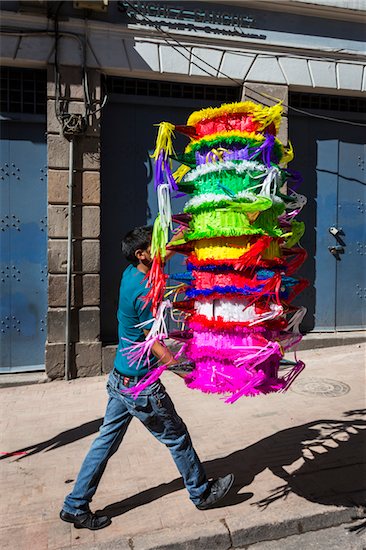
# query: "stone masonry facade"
(86, 348)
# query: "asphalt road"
(335, 538)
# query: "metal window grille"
(23, 90)
(327, 102)
(135, 86)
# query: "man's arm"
(164, 355)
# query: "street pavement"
(297, 459)
(335, 538)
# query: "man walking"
(153, 406)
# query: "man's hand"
(176, 237)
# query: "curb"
(226, 534)
(10, 380)
(328, 340)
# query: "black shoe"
(218, 489)
(87, 520)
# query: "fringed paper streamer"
(151, 377)
(159, 238)
(156, 281)
(297, 231)
(181, 172)
(165, 211)
(268, 115)
(297, 258)
(139, 353)
(163, 151)
(271, 183)
(164, 141)
(251, 256)
(293, 374)
(288, 154)
(182, 219)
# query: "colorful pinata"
(241, 239)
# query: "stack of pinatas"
(241, 240)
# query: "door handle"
(335, 231)
(335, 250)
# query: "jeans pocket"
(141, 403)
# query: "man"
(153, 407)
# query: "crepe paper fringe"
(224, 123)
(164, 141)
(236, 310)
(264, 282)
(225, 341)
(151, 377)
(297, 231)
(181, 172)
(228, 223)
(266, 152)
(182, 219)
(262, 114)
(165, 213)
(197, 321)
(139, 353)
(239, 166)
(229, 140)
(253, 255)
(288, 154)
(244, 202)
(156, 281)
(159, 239)
(298, 256)
(186, 277)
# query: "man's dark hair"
(137, 239)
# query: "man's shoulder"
(132, 280)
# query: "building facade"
(83, 84)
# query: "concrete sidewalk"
(296, 457)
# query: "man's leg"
(156, 411)
(115, 424)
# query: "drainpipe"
(69, 263)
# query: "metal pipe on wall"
(69, 262)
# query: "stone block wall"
(86, 349)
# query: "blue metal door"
(23, 246)
(351, 262)
(331, 158)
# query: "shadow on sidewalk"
(61, 439)
(320, 461)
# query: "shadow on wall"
(302, 136)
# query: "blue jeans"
(154, 408)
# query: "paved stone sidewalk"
(296, 458)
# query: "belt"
(127, 381)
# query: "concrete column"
(85, 329)
(259, 93)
